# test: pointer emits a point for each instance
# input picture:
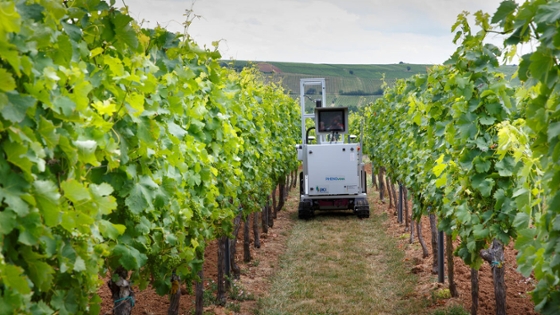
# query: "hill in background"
(347, 85)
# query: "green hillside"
(347, 85)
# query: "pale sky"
(318, 31)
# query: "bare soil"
(268, 68)
(518, 301)
(256, 275)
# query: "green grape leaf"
(542, 62)
(79, 264)
(487, 120)
(17, 107)
(481, 144)
(523, 70)
(41, 274)
(442, 181)
(500, 197)
(75, 191)
(73, 31)
(521, 220)
(7, 82)
(467, 159)
(31, 11)
(64, 105)
(48, 132)
(86, 151)
(553, 130)
(103, 202)
(16, 154)
(9, 20)
(105, 107)
(536, 115)
(80, 93)
(68, 220)
(123, 31)
(438, 169)
(102, 189)
(8, 219)
(548, 13)
(63, 54)
(482, 166)
(13, 189)
(139, 199)
(554, 202)
(486, 187)
(483, 184)
(480, 231)
(136, 102)
(14, 278)
(506, 8)
(176, 130)
(31, 229)
(193, 179)
(505, 166)
(463, 214)
(110, 230)
(47, 196)
(40, 308)
(556, 223)
(65, 302)
(129, 257)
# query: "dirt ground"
(517, 299)
(256, 275)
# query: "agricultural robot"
(333, 176)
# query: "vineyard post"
(227, 258)
(495, 257)
(287, 187)
(270, 208)
(389, 193)
(400, 205)
(411, 239)
(121, 292)
(246, 241)
(381, 184)
(235, 270)
(175, 296)
(257, 242)
(434, 239)
(406, 212)
(441, 261)
(450, 265)
(425, 252)
(222, 263)
(474, 291)
(274, 213)
(264, 218)
(394, 193)
(373, 179)
(199, 286)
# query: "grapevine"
(475, 150)
(122, 147)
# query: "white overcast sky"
(318, 31)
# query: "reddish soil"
(255, 276)
(517, 300)
(268, 68)
(254, 280)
